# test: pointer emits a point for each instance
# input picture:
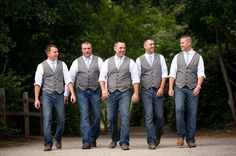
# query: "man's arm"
(161, 88)
(197, 89)
(71, 88)
(135, 97)
(171, 86)
(105, 93)
(36, 96)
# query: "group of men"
(112, 81)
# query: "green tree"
(212, 23)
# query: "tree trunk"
(228, 35)
(225, 76)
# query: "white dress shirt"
(39, 73)
(74, 70)
(173, 67)
(132, 69)
(164, 71)
(74, 67)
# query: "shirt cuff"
(135, 81)
(68, 81)
(199, 75)
(66, 93)
(164, 76)
(38, 84)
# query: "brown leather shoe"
(86, 146)
(151, 146)
(124, 147)
(47, 148)
(112, 144)
(180, 141)
(58, 144)
(94, 143)
(191, 144)
(157, 142)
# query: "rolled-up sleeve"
(201, 69)
(164, 71)
(103, 71)
(134, 72)
(173, 67)
(39, 75)
(66, 74)
(138, 63)
(100, 62)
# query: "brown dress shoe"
(151, 146)
(191, 144)
(58, 144)
(124, 147)
(157, 142)
(94, 144)
(86, 146)
(113, 144)
(180, 141)
(47, 148)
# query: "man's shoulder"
(109, 58)
(59, 61)
(141, 56)
(195, 52)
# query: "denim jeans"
(182, 96)
(50, 100)
(153, 110)
(119, 102)
(89, 102)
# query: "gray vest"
(87, 78)
(53, 82)
(150, 75)
(187, 75)
(118, 79)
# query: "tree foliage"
(212, 23)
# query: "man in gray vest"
(85, 72)
(52, 75)
(187, 72)
(153, 73)
(116, 76)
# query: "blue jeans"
(89, 102)
(119, 102)
(182, 96)
(50, 100)
(153, 110)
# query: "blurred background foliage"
(26, 27)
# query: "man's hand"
(66, 100)
(135, 98)
(105, 95)
(37, 104)
(196, 91)
(171, 92)
(72, 98)
(160, 92)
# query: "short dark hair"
(186, 36)
(48, 47)
(148, 38)
(85, 42)
(119, 41)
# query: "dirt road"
(206, 146)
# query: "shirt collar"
(191, 52)
(90, 58)
(50, 61)
(116, 57)
(147, 55)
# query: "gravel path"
(206, 146)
